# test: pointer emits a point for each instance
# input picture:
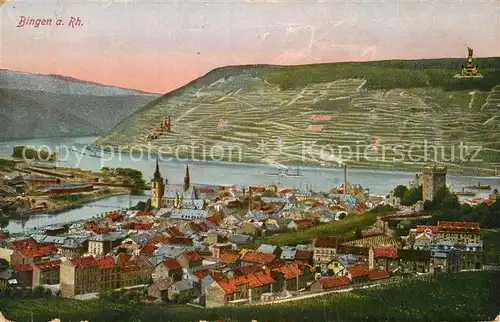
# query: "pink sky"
(159, 46)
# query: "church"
(178, 196)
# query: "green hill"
(414, 112)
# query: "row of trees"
(446, 207)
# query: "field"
(471, 296)
(383, 114)
(342, 228)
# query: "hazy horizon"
(160, 46)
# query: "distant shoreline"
(63, 208)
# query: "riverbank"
(65, 207)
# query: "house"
(6, 274)
(177, 288)
(190, 260)
(130, 272)
(378, 275)
(414, 261)
(292, 276)
(218, 249)
(24, 274)
(331, 283)
(169, 268)
(324, 249)
(109, 277)
(300, 224)
(79, 276)
(269, 249)
(46, 273)
(73, 247)
(102, 244)
(230, 258)
(358, 273)
(385, 259)
(240, 239)
(238, 290)
(360, 253)
(253, 257)
(159, 289)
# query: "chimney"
(250, 199)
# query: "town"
(214, 246)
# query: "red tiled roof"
(386, 252)
(179, 241)
(258, 189)
(214, 220)
(378, 275)
(205, 190)
(326, 242)
(422, 228)
(358, 270)
(258, 257)
(303, 223)
(162, 239)
(289, 270)
(106, 262)
(126, 262)
(25, 243)
(455, 225)
(84, 262)
(23, 268)
(334, 282)
(172, 264)
(216, 275)
(227, 286)
(148, 250)
(40, 251)
(174, 231)
(303, 254)
(192, 256)
(47, 266)
(143, 226)
(249, 269)
(115, 216)
(229, 256)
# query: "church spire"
(157, 174)
(186, 179)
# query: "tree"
(412, 196)
(358, 233)
(400, 191)
(4, 222)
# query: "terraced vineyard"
(246, 117)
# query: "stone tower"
(433, 179)
(158, 189)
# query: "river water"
(379, 182)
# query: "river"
(380, 182)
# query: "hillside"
(385, 112)
(50, 105)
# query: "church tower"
(158, 189)
(186, 179)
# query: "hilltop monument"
(470, 70)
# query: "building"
(169, 268)
(432, 180)
(109, 277)
(102, 244)
(79, 276)
(158, 189)
(67, 188)
(325, 249)
(39, 182)
(46, 273)
(470, 70)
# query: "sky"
(160, 45)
